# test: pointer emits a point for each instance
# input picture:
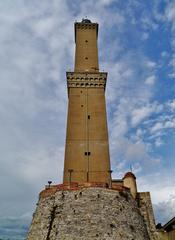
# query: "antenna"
(131, 167)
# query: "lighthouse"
(87, 147)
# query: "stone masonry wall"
(89, 213)
(146, 209)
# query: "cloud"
(170, 11)
(163, 125)
(171, 104)
(34, 99)
(164, 54)
(150, 64)
(170, 17)
(150, 80)
(172, 61)
(143, 112)
(171, 75)
(160, 190)
(139, 114)
(14, 228)
(145, 36)
(165, 210)
(156, 127)
(159, 142)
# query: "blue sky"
(136, 48)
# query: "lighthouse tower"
(87, 147)
(89, 205)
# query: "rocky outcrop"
(89, 213)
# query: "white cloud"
(40, 163)
(172, 61)
(164, 54)
(158, 126)
(170, 11)
(135, 152)
(171, 75)
(170, 18)
(170, 124)
(165, 210)
(162, 125)
(150, 64)
(139, 132)
(160, 190)
(158, 142)
(171, 104)
(33, 99)
(150, 80)
(149, 23)
(162, 193)
(44, 27)
(139, 114)
(145, 36)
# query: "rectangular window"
(87, 153)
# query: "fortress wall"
(146, 209)
(89, 213)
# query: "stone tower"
(87, 148)
(89, 205)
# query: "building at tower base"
(167, 231)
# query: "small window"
(86, 58)
(89, 153)
(85, 153)
(86, 41)
(81, 105)
(89, 117)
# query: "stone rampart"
(88, 213)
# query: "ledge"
(52, 189)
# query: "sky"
(136, 47)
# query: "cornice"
(86, 80)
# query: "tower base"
(87, 213)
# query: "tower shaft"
(87, 149)
(86, 54)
